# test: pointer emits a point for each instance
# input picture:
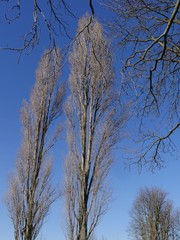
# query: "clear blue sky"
(16, 81)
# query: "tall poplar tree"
(30, 192)
(94, 127)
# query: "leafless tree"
(149, 32)
(50, 16)
(152, 216)
(176, 225)
(95, 124)
(30, 192)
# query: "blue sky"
(16, 81)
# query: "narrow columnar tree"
(94, 127)
(30, 192)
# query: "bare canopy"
(153, 217)
(148, 30)
(94, 122)
(30, 193)
(50, 17)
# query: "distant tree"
(148, 31)
(176, 225)
(30, 193)
(95, 124)
(152, 216)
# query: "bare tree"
(176, 225)
(149, 32)
(152, 216)
(94, 127)
(30, 192)
(50, 17)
